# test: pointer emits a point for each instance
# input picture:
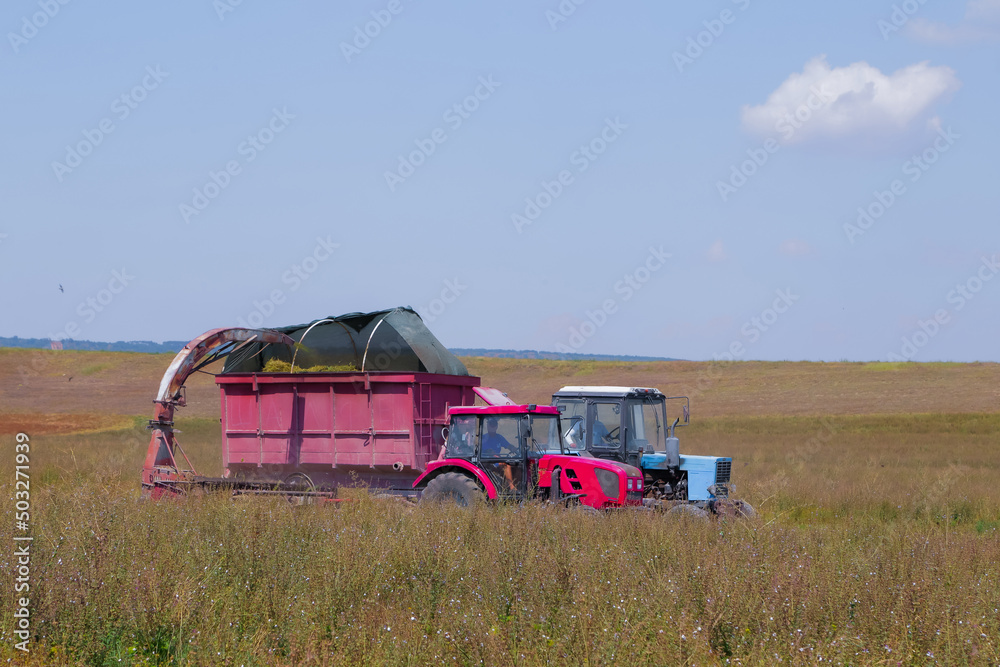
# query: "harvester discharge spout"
(160, 473)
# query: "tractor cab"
(622, 423)
(630, 424)
(505, 442)
(516, 452)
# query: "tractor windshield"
(544, 436)
(648, 425)
(461, 437)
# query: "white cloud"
(795, 248)
(858, 101)
(717, 253)
(981, 23)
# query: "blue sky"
(615, 178)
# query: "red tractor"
(516, 452)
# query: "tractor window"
(647, 425)
(500, 437)
(605, 432)
(461, 438)
(544, 435)
(574, 422)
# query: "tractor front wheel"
(454, 487)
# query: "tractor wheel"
(454, 487)
(555, 491)
(688, 512)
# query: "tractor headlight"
(609, 481)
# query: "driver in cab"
(495, 445)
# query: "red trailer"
(325, 429)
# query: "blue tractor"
(629, 424)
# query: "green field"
(877, 541)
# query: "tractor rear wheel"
(454, 487)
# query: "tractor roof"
(505, 410)
(605, 391)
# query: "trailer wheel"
(454, 487)
(299, 481)
(690, 512)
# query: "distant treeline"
(176, 345)
(535, 354)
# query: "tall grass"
(217, 580)
(877, 544)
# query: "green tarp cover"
(386, 340)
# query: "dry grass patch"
(61, 424)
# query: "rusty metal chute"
(161, 465)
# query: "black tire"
(299, 481)
(688, 512)
(453, 487)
